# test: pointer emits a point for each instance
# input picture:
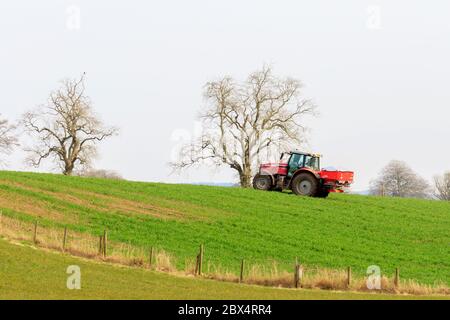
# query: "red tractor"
(301, 173)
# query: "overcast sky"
(378, 70)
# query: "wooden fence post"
(349, 276)
(64, 239)
(397, 277)
(241, 277)
(151, 256)
(105, 243)
(200, 260)
(297, 275)
(100, 245)
(197, 261)
(35, 232)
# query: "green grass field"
(341, 231)
(28, 273)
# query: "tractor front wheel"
(305, 184)
(262, 182)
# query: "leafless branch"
(65, 129)
(8, 139)
(442, 187)
(241, 121)
(399, 180)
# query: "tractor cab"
(296, 160)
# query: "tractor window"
(312, 162)
(296, 161)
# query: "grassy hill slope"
(27, 273)
(233, 223)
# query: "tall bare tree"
(66, 129)
(8, 140)
(397, 179)
(243, 121)
(442, 186)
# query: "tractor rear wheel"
(305, 184)
(262, 182)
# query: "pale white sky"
(378, 71)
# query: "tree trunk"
(68, 170)
(246, 174)
(245, 180)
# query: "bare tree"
(397, 179)
(442, 186)
(243, 121)
(101, 173)
(66, 129)
(7, 138)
